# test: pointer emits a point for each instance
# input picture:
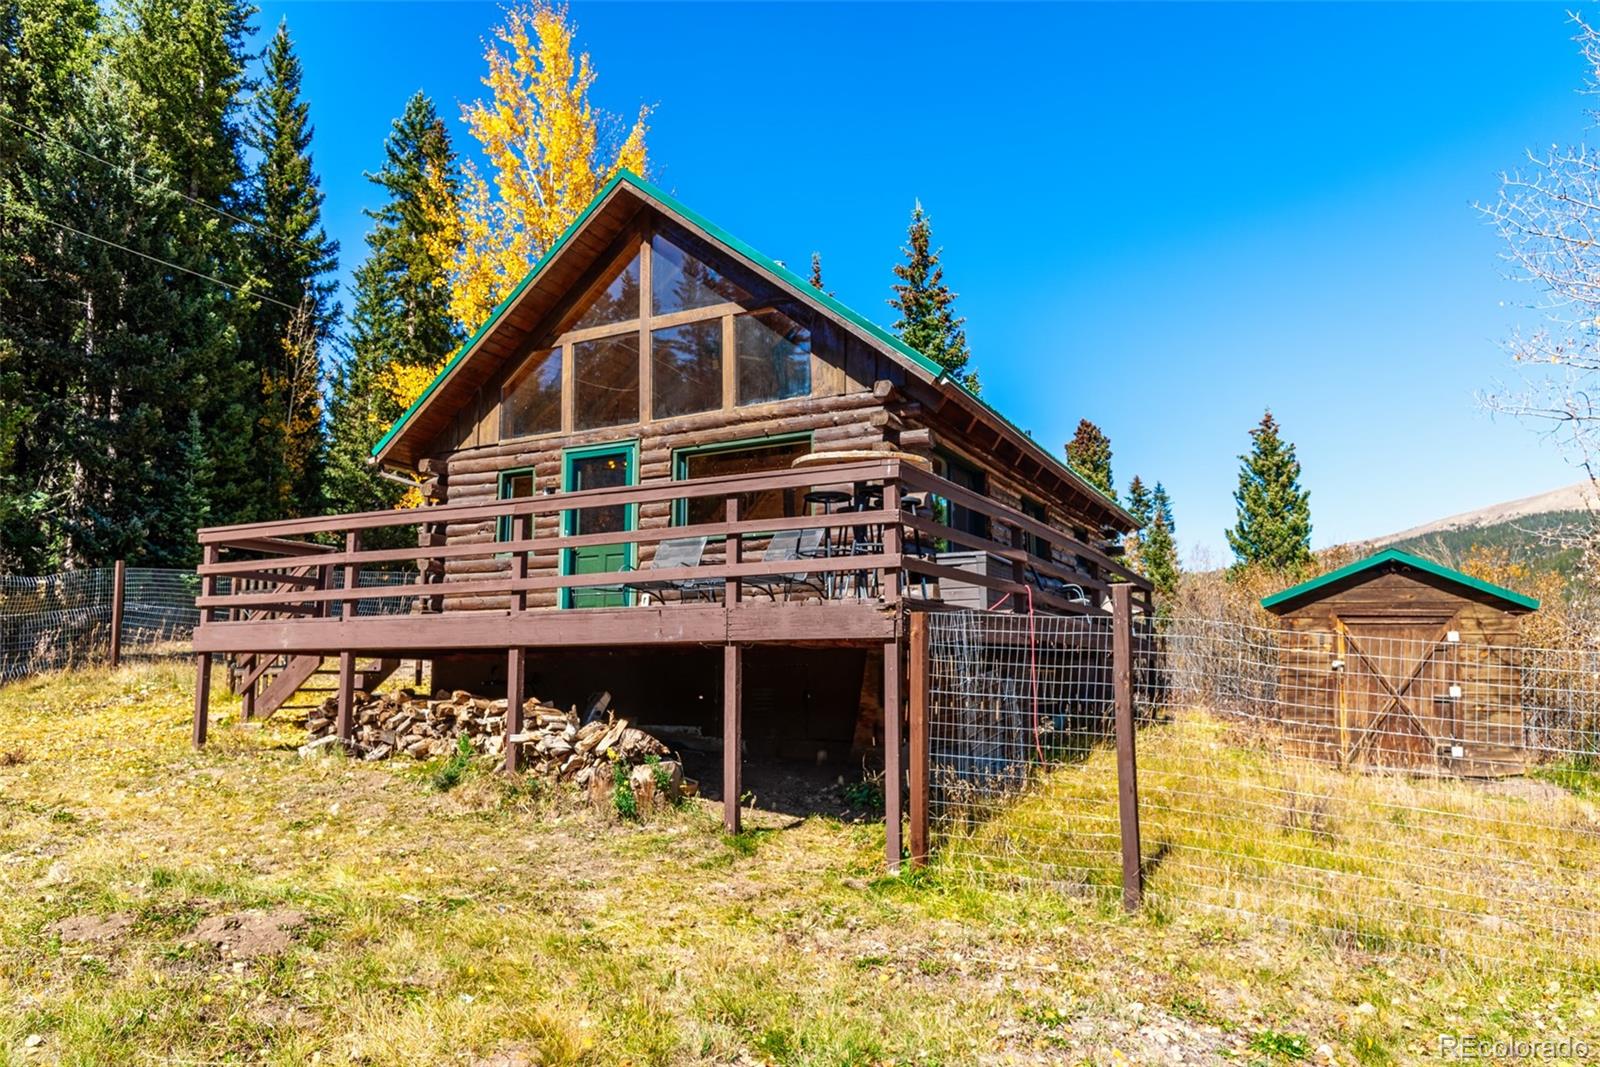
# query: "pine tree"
(1089, 453)
(543, 140)
(402, 318)
(928, 322)
(292, 261)
(1161, 504)
(1274, 513)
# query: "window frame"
(502, 528)
(681, 456)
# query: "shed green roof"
(1406, 559)
(827, 301)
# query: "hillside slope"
(1540, 531)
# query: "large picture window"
(531, 401)
(618, 301)
(686, 369)
(682, 281)
(774, 357)
(715, 334)
(605, 381)
(719, 462)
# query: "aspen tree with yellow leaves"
(546, 147)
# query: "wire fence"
(1419, 792)
(59, 621)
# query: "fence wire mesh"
(1415, 792)
(55, 621)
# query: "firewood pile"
(555, 743)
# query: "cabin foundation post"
(516, 675)
(202, 698)
(893, 755)
(345, 724)
(732, 735)
(1127, 766)
(917, 684)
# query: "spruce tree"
(292, 261)
(928, 322)
(1161, 504)
(1158, 548)
(183, 63)
(816, 270)
(1089, 453)
(402, 310)
(1139, 502)
(1158, 557)
(1274, 513)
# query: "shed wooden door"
(1394, 704)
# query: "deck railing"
(893, 543)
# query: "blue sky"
(1164, 218)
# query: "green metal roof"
(1394, 555)
(772, 266)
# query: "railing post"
(918, 683)
(119, 591)
(1023, 601)
(732, 589)
(893, 757)
(1127, 764)
(202, 682)
(893, 539)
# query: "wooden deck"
(275, 592)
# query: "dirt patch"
(249, 934)
(90, 929)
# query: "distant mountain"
(1536, 530)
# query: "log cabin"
(1395, 662)
(669, 468)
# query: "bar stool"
(827, 498)
(913, 546)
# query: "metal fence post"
(1127, 765)
(119, 588)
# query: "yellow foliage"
(541, 138)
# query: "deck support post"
(1127, 765)
(516, 684)
(732, 735)
(119, 592)
(893, 755)
(202, 681)
(346, 721)
(345, 724)
(249, 700)
(917, 686)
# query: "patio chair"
(672, 555)
(789, 545)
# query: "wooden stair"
(300, 679)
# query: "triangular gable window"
(680, 281)
(618, 301)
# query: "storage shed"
(1397, 662)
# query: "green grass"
(454, 926)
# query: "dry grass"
(489, 923)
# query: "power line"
(167, 263)
(150, 182)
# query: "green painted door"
(599, 468)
